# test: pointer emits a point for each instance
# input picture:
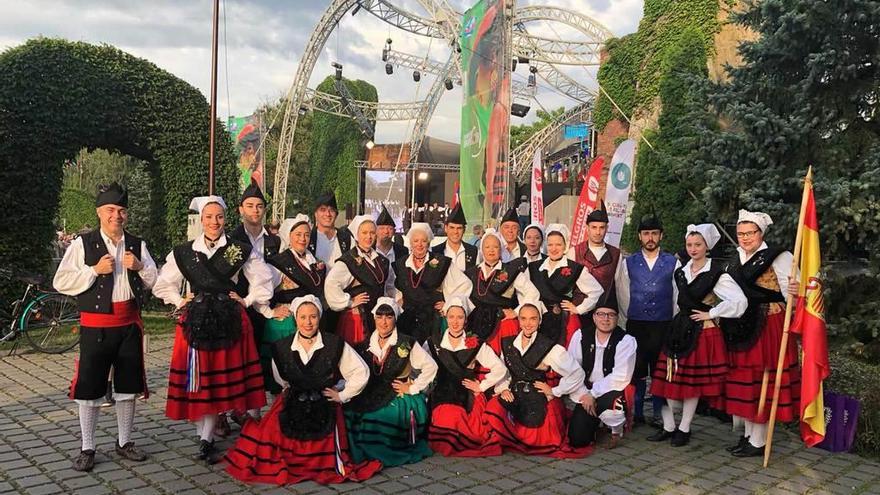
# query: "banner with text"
(617, 189)
(587, 202)
(537, 189)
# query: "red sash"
(124, 313)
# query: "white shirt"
(620, 376)
(459, 259)
(419, 359)
(533, 257)
(327, 248)
(522, 284)
(352, 367)
(454, 283)
(621, 283)
(510, 253)
(781, 265)
(571, 374)
(257, 243)
(486, 357)
(586, 283)
(74, 277)
(257, 273)
(733, 301)
(339, 278)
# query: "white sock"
(759, 435)
(88, 421)
(200, 423)
(688, 409)
(668, 418)
(208, 424)
(737, 421)
(747, 428)
(124, 420)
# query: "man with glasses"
(608, 356)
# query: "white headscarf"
(424, 227)
(199, 203)
(533, 225)
(383, 301)
(707, 230)
(560, 229)
(490, 231)
(356, 224)
(762, 220)
(287, 227)
(459, 302)
(537, 304)
(307, 299)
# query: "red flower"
(566, 272)
(471, 341)
(502, 277)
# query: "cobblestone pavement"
(39, 434)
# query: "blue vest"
(650, 291)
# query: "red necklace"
(381, 275)
(480, 278)
(316, 279)
(417, 282)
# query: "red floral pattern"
(566, 272)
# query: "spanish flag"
(809, 322)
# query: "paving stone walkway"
(39, 434)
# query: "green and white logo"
(621, 175)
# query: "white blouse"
(586, 283)
(339, 278)
(419, 359)
(570, 372)
(733, 301)
(487, 358)
(352, 367)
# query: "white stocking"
(688, 409)
(88, 421)
(124, 420)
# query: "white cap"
(561, 229)
(707, 230)
(199, 203)
(762, 220)
(287, 227)
(537, 304)
(459, 302)
(356, 223)
(383, 301)
(306, 299)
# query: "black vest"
(684, 333)
(99, 297)
(488, 296)
(378, 391)
(421, 290)
(588, 352)
(271, 245)
(307, 414)
(452, 368)
(555, 289)
(529, 406)
(369, 279)
(740, 334)
(309, 279)
(470, 253)
(343, 237)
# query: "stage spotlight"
(423, 176)
(389, 69)
(523, 60)
(338, 67)
(448, 84)
(519, 110)
(513, 65)
(417, 76)
(370, 144)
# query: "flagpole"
(213, 124)
(789, 303)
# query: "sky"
(262, 41)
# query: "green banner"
(246, 134)
(485, 113)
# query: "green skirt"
(274, 330)
(395, 434)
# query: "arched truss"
(442, 23)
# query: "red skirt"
(228, 379)
(455, 432)
(549, 439)
(263, 454)
(700, 374)
(504, 328)
(573, 325)
(742, 389)
(351, 327)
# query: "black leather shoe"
(660, 436)
(680, 438)
(206, 450)
(130, 452)
(749, 451)
(739, 445)
(85, 461)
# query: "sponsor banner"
(617, 189)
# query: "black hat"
(510, 216)
(385, 218)
(253, 191)
(326, 199)
(456, 216)
(111, 194)
(599, 214)
(650, 222)
(608, 300)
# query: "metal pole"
(213, 124)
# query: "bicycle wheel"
(51, 323)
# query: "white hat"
(762, 220)
(306, 299)
(537, 304)
(200, 202)
(459, 302)
(287, 227)
(387, 301)
(533, 225)
(560, 229)
(420, 226)
(707, 230)
(494, 233)
(356, 223)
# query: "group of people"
(379, 351)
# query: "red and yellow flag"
(809, 321)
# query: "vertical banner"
(485, 113)
(617, 189)
(246, 133)
(537, 190)
(586, 202)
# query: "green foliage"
(57, 97)
(521, 133)
(637, 63)
(77, 210)
(853, 309)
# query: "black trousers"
(583, 426)
(649, 336)
(102, 348)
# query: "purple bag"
(841, 419)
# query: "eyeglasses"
(605, 314)
(747, 235)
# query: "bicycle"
(48, 320)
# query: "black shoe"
(206, 449)
(639, 420)
(656, 422)
(743, 441)
(680, 438)
(130, 452)
(660, 436)
(749, 451)
(85, 461)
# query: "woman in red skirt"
(693, 361)
(356, 281)
(215, 366)
(753, 342)
(497, 289)
(303, 436)
(467, 372)
(529, 416)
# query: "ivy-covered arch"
(57, 97)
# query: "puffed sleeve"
(497, 371)
(621, 375)
(149, 273)
(525, 289)
(571, 373)
(73, 276)
(168, 284)
(782, 269)
(337, 280)
(733, 301)
(422, 361)
(354, 371)
(621, 283)
(277, 375)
